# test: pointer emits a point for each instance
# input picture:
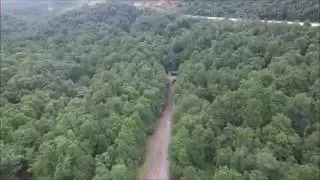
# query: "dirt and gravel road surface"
(156, 166)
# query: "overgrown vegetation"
(35, 9)
(255, 9)
(79, 95)
(81, 92)
(247, 103)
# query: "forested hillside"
(35, 9)
(80, 94)
(255, 9)
(247, 103)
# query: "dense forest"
(34, 9)
(247, 103)
(301, 10)
(80, 94)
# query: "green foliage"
(76, 104)
(80, 94)
(246, 105)
(119, 172)
(262, 9)
(303, 172)
(224, 173)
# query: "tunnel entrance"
(172, 76)
(173, 73)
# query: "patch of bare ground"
(160, 5)
(156, 165)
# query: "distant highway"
(141, 5)
(313, 24)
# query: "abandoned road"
(156, 166)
